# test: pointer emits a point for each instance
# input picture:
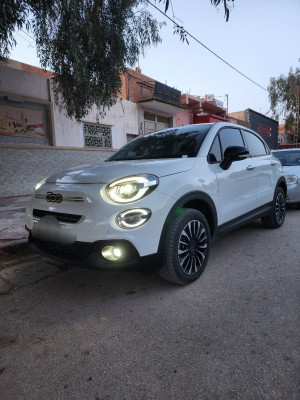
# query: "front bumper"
(88, 255)
(293, 194)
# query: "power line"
(27, 34)
(207, 48)
(24, 38)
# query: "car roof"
(298, 149)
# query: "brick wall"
(22, 168)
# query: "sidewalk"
(12, 223)
(20, 266)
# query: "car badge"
(54, 197)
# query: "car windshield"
(171, 143)
(288, 158)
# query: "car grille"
(70, 252)
(63, 198)
(71, 218)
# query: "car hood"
(291, 170)
(111, 170)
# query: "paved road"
(88, 335)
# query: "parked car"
(290, 160)
(161, 198)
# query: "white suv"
(161, 198)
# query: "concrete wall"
(24, 86)
(45, 108)
(22, 168)
(239, 115)
(184, 118)
(17, 82)
(122, 117)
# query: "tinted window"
(215, 151)
(171, 143)
(288, 158)
(254, 144)
(230, 137)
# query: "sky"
(261, 40)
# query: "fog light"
(134, 218)
(111, 253)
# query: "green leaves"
(226, 5)
(12, 14)
(86, 43)
(283, 92)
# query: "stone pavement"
(20, 266)
(12, 222)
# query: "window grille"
(97, 135)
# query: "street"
(94, 335)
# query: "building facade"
(34, 141)
(29, 115)
(260, 123)
(200, 110)
(37, 140)
(157, 103)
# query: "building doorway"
(154, 122)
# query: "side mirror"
(234, 153)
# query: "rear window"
(288, 158)
(171, 143)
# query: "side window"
(215, 151)
(230, 137)
(254, 144)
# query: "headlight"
(40, 183)
(291, 179)
(134, 218)
(132, 188)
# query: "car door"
(266, 168)
(237, 184)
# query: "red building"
(200, 110)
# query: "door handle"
(273, 163)
(250, 167)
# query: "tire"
(187, 248)
(276, 219)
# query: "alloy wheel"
(280, 207)
(192, 247)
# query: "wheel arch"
(282, 183)
(195, 200)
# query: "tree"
(86, 43)
(216, 3)
(283, 92)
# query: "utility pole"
(226, 95)
(296, 126)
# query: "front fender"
(197, 200)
